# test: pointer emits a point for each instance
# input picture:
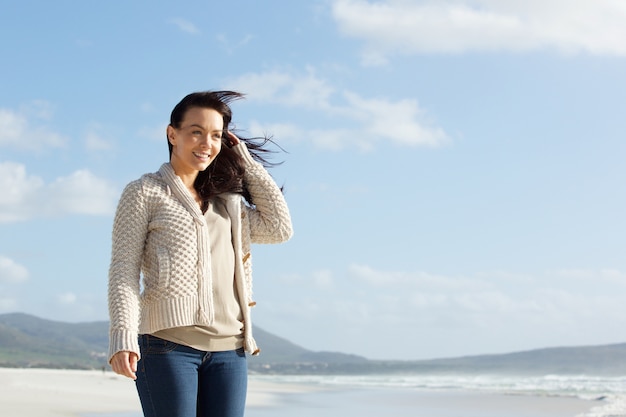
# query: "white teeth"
(202, 155)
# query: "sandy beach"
(70, 393)
(73, 393)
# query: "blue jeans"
(179, 381)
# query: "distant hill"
(608, 360)
(29, 341)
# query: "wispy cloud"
(281, 87)
(81, 193)
(78, 193)
(26, 130)
(11, 271)
(232, 45)
(153, 133)
(547, 298)
(371, 121)
(185, 25)
(455, 26)
(505, 311)
(95, 140)
(8, 304)
(67, 298)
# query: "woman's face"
(197, 142)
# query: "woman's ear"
(171, 134)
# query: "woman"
(182, 333)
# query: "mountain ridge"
(30, 341)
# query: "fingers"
(133, 363)
(234, 140)
(125, 363)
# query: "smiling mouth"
(202, 155)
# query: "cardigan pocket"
(163, 259)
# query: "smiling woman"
(187, 230)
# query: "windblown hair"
(225, 174)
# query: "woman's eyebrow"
(193, 125)
(197, 126)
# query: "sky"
(455, 169)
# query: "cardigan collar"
(180, 191)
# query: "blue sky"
(455, 169)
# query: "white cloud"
(517, 297)
(323, 279)
(185, 26)
(437, 315)
(334, 140)
(415, 280)
(369, 121)
(232, 46)
(18, 201)
(592, 276)
(18, 131)
(456, 26)
(307, 91)
(11, 271)
(95, 140)
(67, 298)
(284, 131)
(8, 304)
(79, 193)
(153, 133)
(544, 309)
(400, 122)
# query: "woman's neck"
(188, 177)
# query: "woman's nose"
(205, 140)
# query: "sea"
(605, 396)
(444, 396)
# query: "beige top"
(226, 333)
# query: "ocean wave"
(609, 391)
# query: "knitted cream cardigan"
(159, 232)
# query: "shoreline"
(408, 402)
(36, 392)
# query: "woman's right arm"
(130, 229)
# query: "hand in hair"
(234, 140)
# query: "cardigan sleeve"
(269, 218)
(130, 228)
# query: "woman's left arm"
(270, 221)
